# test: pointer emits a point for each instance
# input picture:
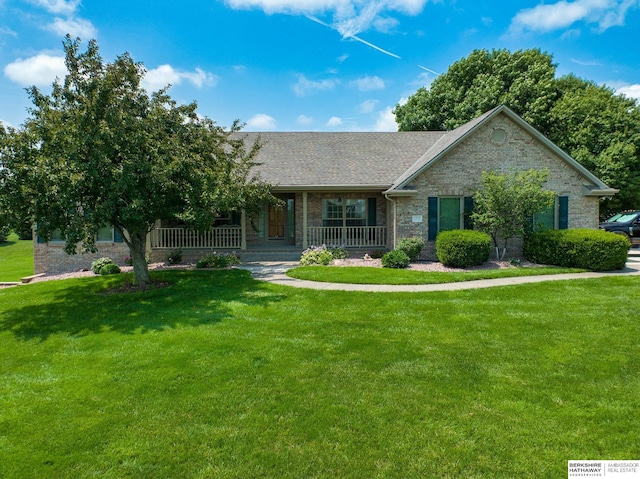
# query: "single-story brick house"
(367, 190)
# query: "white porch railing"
(174, 238)
(349, 236)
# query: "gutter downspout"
(395, 218)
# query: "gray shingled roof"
(385, 161)
(297, 159)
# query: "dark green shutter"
(468, 209)
(433, 218)
(371, 212)
(117, 236)
(563, 212)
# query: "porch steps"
(269, 256)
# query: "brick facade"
(51, 257)
(459, 174)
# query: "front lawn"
(222, 376)
(16, 259)
(371, 275)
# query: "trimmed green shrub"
(316, 255)
(4, 233)
(174, 256)
(110, 268)
(463, 248)
(596, 250)
(98, 264)
(411, 247)
(338, 252)
(218, 260)
(395, 259)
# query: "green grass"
(368, 275)
(223, 376)
(16, 259)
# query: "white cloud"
(631, 91)
(58, 7)
(334, 122)
(368, 83)
(261, 121)
(76, 27)
(160, 77)
(562, 14)
(305, 86)
(350, 17)
(304, 120)
(6, 124)
(40, 70)
(386, 121)
(368, 106)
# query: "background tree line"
(593, 124)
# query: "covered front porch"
(349, 219)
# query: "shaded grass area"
(223, 376)
(16, 259)
(368, 275)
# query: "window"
(545, 219)
(347, 212)
(105, 235)
(448, 213)
(554, 217)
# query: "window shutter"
(563, 212)
(236, 218)
(433, 218)
(117, 236)
(371, 212)
(468, 209)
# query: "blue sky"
(310, 65)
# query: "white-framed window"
(344, 212)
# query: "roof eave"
(329, 188)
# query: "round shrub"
(98, 264)
(174, 256)
(4, 233)
(110, 268)
(218, 260)
(596, 250)
(411, 247)
(339, 252)
(316, 255)
(395, 259)
(463, 248)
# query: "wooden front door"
(276, 222)
(281, 221)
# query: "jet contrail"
(429, 70)
(317, 20)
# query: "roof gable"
(454, 137)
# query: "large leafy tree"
(506, 203)
(602, 131)
(523, 80)
(99, 150)
(594, 125)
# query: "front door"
(276, 222)
(281, 226)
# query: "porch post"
(304, 220)
(243, 229)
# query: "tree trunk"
(138, 248)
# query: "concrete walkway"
(275, 272)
